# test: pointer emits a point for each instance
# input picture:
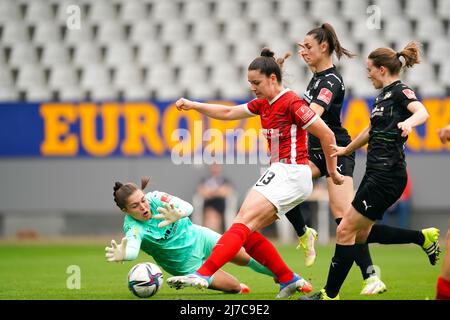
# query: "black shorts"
(216, 203)
(345, 164)
(378, 191)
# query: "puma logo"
(340, 168)
(366, 205)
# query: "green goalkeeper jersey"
(170, 246)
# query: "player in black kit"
(396, 111)
(325, 94)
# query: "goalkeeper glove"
(170, 214)
(116, 253)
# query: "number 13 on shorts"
(265, 179)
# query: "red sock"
(263, 251)
(443, 289)
(225, 249)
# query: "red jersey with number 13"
(284, 120)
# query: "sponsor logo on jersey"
(165, 197)
(304, 113)
(409, 94)
(325, 95)
(387, 95)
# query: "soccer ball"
(145, 279)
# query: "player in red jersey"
(286, 119)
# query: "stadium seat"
(323, 9)
(389, 8)
(23, 53)
(419, 9)
(298, 28)
(55, 54)
(73, 93)
(227, 10)
(30, 75)
(245, 52)
(6, 78)
(215, 52)
(173, 31)
(47, 31)
(237, 29)
(204, 31)
(63, 76)
(259, 10)
(103, 93)
(9, 11)
(109, 32)
(192, 75)
(444, 74)
(392, 27)
(38, 11)
(14, 32)
(196, 10)
(128, 75)
(38, 93)
(85, 53)
(269, 29)
(428, 28)
(201, 91)
(351, 9)
(65, 10)
(183, 52)
(77, 37)
(234, 91)
(101, 11)
(142, 31)
(438, 50)
(227, 72)
(443, 8)
(149, 53)
(118, 53)
(8, 93)
(160, 75)
(168, 92)
(289, 10)
(164, 11)
(370, 44)
(421, 74)
(361, 31)
(134, 11)
(431, 90)
(94, 76)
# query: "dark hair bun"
(266, 52)
(117, 186)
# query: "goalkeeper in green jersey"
(158, 224)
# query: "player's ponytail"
(144, 182)
(410, 54)
(267, 64)
(396, 61)
(326, 33)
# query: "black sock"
(364, 260)
(341, 264)
(362, 257)
(384, 234)
(295, 217)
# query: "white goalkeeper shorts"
(285, 185)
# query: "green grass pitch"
(39, 271)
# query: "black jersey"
(327, 89)
(386, 145)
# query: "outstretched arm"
(216, 111)
(358, 142)
(319, 129)
(420, 115)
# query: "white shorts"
(285, 185)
